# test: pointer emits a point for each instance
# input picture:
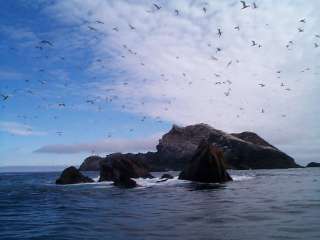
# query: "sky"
(83, 77)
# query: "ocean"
(258, 204)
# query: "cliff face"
(241, 150)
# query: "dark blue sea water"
(263, 204)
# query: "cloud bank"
(103, 146)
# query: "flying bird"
(92, 28)
(316, 45)
(261, 85)
(176, 12)
(255, 5)
(300, 29)
(157, 6)
(229, 63)
(244, 5)
(46, 42)
(115, 29)
(237, 28)
(132, 27)
(4, 97)
(204, 9)
(218, 49)
(100, 22)
(303, 20)
(253, 43)
(219, 32)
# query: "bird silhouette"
(316, 45)
(300, 30)
(46, 42)
(261, 85)
(303, 20)
(176, 12)
(132, 27)
(255, 5)
(219, 32)
(237, 28)
(100, 22)
(4, 97)
(204, 9)
(253, 43)
(92, 28)
(244, 5)
(157, 6)
(115, 29)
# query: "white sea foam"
(241, 178)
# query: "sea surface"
(258, 204)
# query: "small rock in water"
(206, 165)
(72, 175)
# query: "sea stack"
(121, 170)
(72, 175)
(207, 165)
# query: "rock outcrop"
(206, 165)
(313, 164)
(175, 149)
(72, 175)
(91, 163)
(121, 170)
(241, 150)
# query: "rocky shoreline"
(199, 151)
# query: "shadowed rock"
(175, 149)
(206, 165)
(313, 164)
(91, 163)
(121, 169)
(72, 175)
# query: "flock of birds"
(110, 97)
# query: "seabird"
(237, 28)
(92, 28)
(157, 6)
(253, 43)
(300, 29)
(46, 42)
(4, 97)
(132, 27)
(219, 32)
(255, 5)
(303, 20)
(244, 5)
(261, 85)
(176, 11)
(99, 22)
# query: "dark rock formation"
(206, 165)
(91, 163)
(241, 150)
(120, 168)
(313, 164)
(72, 175)
(175, 149)
(166, 176)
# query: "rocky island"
(244, 150)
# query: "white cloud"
(19, 129)
(169, 70)
(104, 146)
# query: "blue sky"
(116, 75)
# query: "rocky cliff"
(241, 150)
